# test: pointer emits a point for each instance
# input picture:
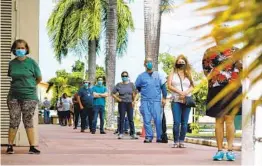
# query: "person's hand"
(133, 104)
(81, 107)
(119, 100)
(163, 102)
(183, 94)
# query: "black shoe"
(164, 141)
(126, 132)
(147, 141)
(102, 132)
(116, 132)
(82, 131)
(33, 150)
(161, 141)
(93, 132)
(10, 149)
(75, 128)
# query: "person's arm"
(80, 103)
(170, 87)
(115, 93)
(38, 80)
(75, 99)
(138, 83)
(189, 90)
(96, 95)
(164, 91)
(116, 97)
(105, 94)
(37, 73)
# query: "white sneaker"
(120, 136)
(133, 136)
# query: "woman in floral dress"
(219, 108)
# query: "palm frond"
(245, 18)
(125, 23)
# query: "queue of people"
(90, 100)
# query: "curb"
(200, 141)
(236, 146)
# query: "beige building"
(19, 19)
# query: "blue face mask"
(124, 79)
(20, 52)
(86, 85)
(100, 83)
(149, 65)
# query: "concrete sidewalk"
(65, 146)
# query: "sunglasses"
(124, 75)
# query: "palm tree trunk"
(92, 61)
(152, 23)
(111, 38)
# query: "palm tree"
(153, 10)
(77, 26)
(111, 46)
(119, 21)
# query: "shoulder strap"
(180, 82)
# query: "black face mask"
(181, 66)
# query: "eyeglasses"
(86, 82)
(124, 76)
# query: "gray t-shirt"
(125, 91)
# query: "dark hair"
(103, 78)
(100, 77)
(64, 94)
(13, 47)
(124, 72)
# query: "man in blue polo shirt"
(150, 84)
(85, 100)
(100, 94)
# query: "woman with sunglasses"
(124, 92)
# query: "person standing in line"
(22, 97)
(180, 83)
(76, 110)
(59, 107)
(125, 92)
(100, 94)
(46, 105)
(150, 84)
(66, 103)
(85, 99)
(218, 80)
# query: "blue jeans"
(98, 109)
(148, 110)
(46, 116)
(123, 109)
(180, 118)
(126, 124)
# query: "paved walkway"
(63, 145)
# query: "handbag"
(189, 101)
